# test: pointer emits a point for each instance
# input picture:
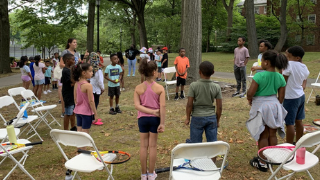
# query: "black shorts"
(148, 124)
(181, 81)
(47, 80)
(114, 91)
(159, 70)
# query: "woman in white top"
(39, 70)
(143, 54)
(25, 72)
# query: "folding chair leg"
(111, 170)
(310, 175)
(310, 95)
(18, 163)
(167, 92)
(54, 120)
(31, 129)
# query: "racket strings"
(276, 155)
(203, 164)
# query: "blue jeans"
(132, 64)
(200, 124)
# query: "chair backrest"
(6, 101)
(169, 70)
(200, 150)
(71, 138)
(309, 140)
(16, 91)
(254, 64)
(20, 114)
(28, 95)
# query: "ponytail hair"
(147, 67)
(276, 59)
(70, 40)
(23, 59)
(77, 70)
(37, 59)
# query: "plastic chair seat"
(310, 161)
(315, 84)
(187, 174)
(87, 163)
(170, 82)
(250, 76)
(45, 108)
(19, 141)
(3, 132)
(23, 121)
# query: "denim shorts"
(39, 82)
(295, 108)
(148, 124)
(69, 110)
(200, 124)
(84, 121)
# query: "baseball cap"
(150, 50)
(165, 48)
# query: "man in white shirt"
(296, 76)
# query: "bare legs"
(267, 138)
(61, 98)
(148, 141)
(37, 90)
(290, 132)
(67, 119)
(26, 84)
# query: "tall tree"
(191, 38)
(138, 6)
(283, 26)
(4, 37)
(229, 9)
(251, 29)
(90, 25)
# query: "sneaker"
(59, 101)
(112, 111)
(255, 163)
(182, 96)
(62, 115)
(45, 92)
(49, 91)
(120, 89)
(118, 110)
(144, 177)
(152, 176)
(243, 95)
(235, 94)
(74, 128)
(123, 89)
(133, 75)
(176, 97)
(128, 75)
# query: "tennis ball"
(117, 80)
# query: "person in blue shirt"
(113, 74)
(31, 59)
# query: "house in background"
(311, 40)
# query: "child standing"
(25, 72)
(264, 46)
(296, 77)
(241, 58)
(113, 73)
(158, 58)
(39, 70)
(267, 114)
(47, 78)
(149, 100)
(83, 97)
(182, 64)
(165, 59)
(68, 92)
(205, 116)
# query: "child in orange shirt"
(182, 64)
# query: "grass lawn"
(223, 62)
(120, 132)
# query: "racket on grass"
(17, 146)
(120, 156)
(275, 155)
(198, 165)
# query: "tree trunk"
(283, 26)
(90, 25)
(142, 29)
(133, 29)
(4, 38)
(251, 29)
(229, 9)
(191, 38)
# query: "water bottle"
(68, 175)
(301, 154)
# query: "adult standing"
(71, 48)
(131, 54)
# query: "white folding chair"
(41, 110)
(167, 83)
(6, 101)
(204, 151)
(313, 86)
(5, 151)
(311, 160)
(81, 162)
(251, 76)
(17, 92)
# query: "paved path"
(10, 80)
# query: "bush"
(12, 59)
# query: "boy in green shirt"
(204, 116)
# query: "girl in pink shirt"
(149, 100)
(85, 108)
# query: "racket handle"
(161, 170)
(33, 143)
(83, 151)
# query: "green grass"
(120, 132)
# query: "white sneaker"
(45, 92)
(123, 89)
(49, 91)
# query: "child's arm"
(304, 84)
(100, 81)
(189, 109)
(141, 108)
(281, 93)
(286, 78)
(218, 110)
(75, 94)
(61, 63)
(162, 110)
(177, 69)
(30, 75)
(246, 61)
(91, 101)
(252, 91)
(106, 76)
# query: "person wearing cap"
(143, 54)
(150, 54)
(164, 61)
(131, 54)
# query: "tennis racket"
(198, 165)
(275, 155)
(109, 157)
(17, 146)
